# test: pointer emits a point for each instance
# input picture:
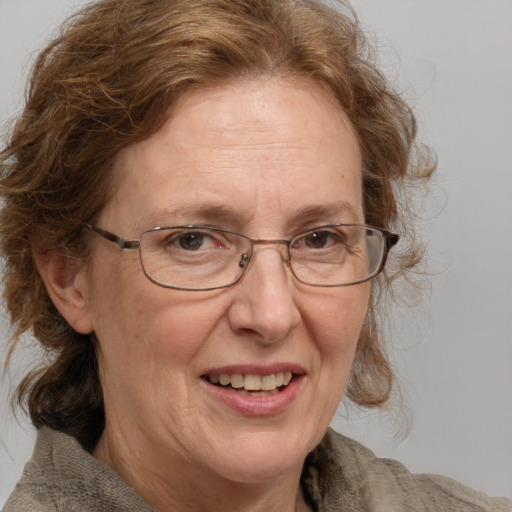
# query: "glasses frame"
(390, 240)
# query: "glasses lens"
(337, 255)
(197, 258)
(193, 258)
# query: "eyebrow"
(227, 216)
(201, 212)
(339, 209)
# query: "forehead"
(259, 148)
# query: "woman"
(201, 194)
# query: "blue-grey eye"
(191, 241)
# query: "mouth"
(251, 384)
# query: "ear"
(66, 283)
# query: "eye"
(194, 241)
(191, 241)
(320, 239)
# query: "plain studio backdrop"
(453, 352)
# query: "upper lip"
(256, 369)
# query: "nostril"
(247, 332)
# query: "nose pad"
(281, 247)
(244, 260)
(285, 253)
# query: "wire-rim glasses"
(198, 257)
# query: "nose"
(264, 305)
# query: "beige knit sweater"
(340, 475)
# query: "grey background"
(453, 351)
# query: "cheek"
(146, 330)
(336, 319)
(336, 327)
(334, 322)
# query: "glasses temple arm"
(121, 242)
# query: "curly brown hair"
(108, 80)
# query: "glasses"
(208, 258)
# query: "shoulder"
(62, 476)
(344, 473)
(34, 491)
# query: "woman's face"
(267, 158)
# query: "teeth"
(252, 382)
(224, 379)
(237, 381)
(268, 382)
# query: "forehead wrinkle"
(197, 213)
(257, 145)
(340, 210)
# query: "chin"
(253, 470)
(262, 456)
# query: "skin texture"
(267, 158)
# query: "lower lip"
(257, 405)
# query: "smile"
(251, 384)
